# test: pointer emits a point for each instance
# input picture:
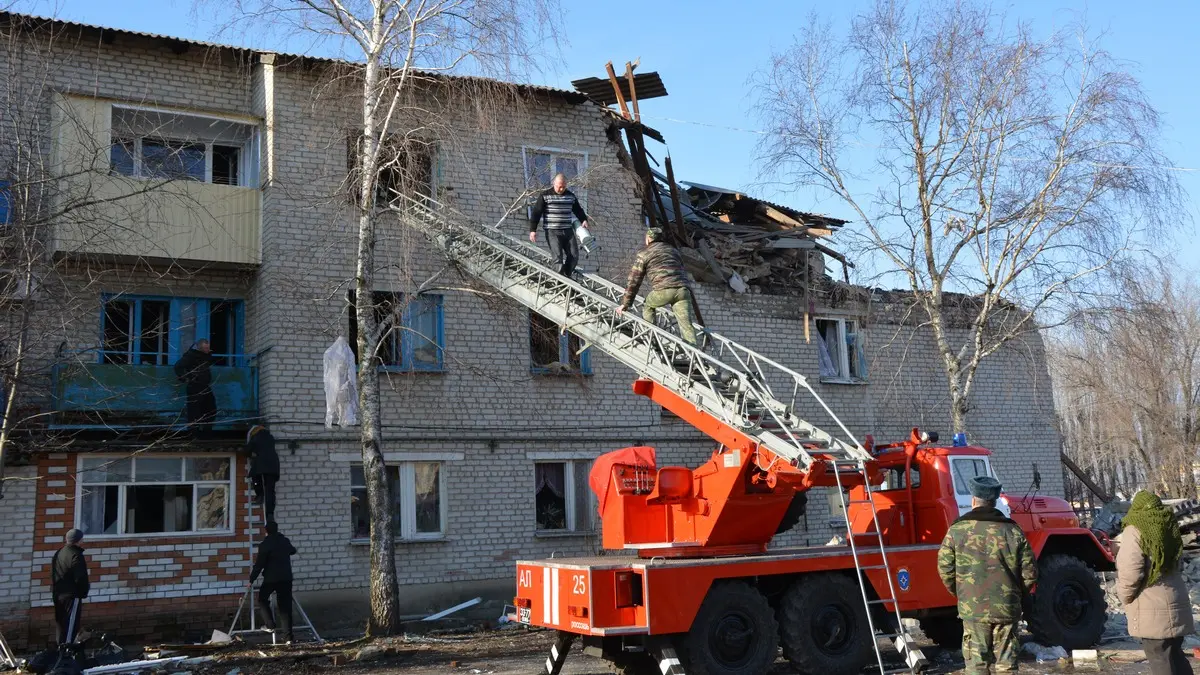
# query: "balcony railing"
(107, 395)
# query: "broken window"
(416, 335)
(417, 495)
(157, 331)
(552, 352)
(153, 495)
(840, 354)
(563, 502)
(168, 145)
(406, 167)
(542, 165)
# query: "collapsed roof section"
(726, 237)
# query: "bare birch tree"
(1008, 169)
(1127, 383)
(398, 50)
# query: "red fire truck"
(703, 593)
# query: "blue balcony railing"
(120, 395)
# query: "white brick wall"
(486, 405)
(16, 537)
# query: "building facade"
(200, 193)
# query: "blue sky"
(706, 50)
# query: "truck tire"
(943, 631)
(795, 512)
(824, 625)
(1068, 608)
(734, 633)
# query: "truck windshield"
(966, 468)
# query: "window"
(165, 145)
(965, 470)
(840, 351)
(151, 494)
(5, 202)
(150, 330)
(416, 339)
(406, 167)
(552, 352)
(417, 491)
(542, 164)
(894, 479)
(563, 502)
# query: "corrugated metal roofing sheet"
(648, 85)
(172, 42)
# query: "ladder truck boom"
(732, 505)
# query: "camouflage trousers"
(990, 647)
(681, 303)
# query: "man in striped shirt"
(555, 209)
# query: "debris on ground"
(448, 612)
(1044, 654)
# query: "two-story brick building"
(197, 195)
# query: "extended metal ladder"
(902, 641)
(247, 601)
(733, 384)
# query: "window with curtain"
(149, 494)
(563, 500)
(417, 495)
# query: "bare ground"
(519, 651)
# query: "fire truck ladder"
(733, 384)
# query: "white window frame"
(569, 494)
(582, 155)
(122, 506)
(841, 356)
(248, 170)
(406, 483)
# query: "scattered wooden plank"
(612, 77)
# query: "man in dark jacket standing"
(662, 264)
(274, 562)
(557, 207)
(264, 467)
(69, 584)
(986, 561)
(194, 369)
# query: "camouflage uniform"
(662, 265)
(986, 561)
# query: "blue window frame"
(417, 338)
(157, 330)
(5, 201)
(553, 352)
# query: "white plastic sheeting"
(341, 392)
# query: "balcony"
(160, 184)
(112, 396)
(177, 221)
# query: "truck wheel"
(795, 512)
(944, 631)
(1068, 608)
(734, 633)
(824, 625)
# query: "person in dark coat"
(69, 585)
(264, 467)
(194, 369)
(274, 562)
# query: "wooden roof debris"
(726, 237)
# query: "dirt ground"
(521, 652)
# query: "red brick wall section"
(142, 588)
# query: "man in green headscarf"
(1151, 586)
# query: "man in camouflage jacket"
(662, 265)
(986, 561)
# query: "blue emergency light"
(960, 440)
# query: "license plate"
(524, 614)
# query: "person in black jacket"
(556, 208)
(69, 584)
(264, 467)
(274, 562)
(194, 369)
